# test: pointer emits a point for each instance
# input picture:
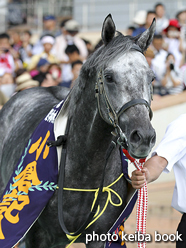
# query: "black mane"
(103, 55)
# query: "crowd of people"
(167, 54)
(57, 56)
(54, 59)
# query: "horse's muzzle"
(140, 142)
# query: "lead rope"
(141, 211)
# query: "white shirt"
(159, 65)
(7, 63)
(173, 47)
(61, 43)
(161, 24)
(170, 87)
(173, 149)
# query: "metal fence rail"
(91, 13)
(31, 12)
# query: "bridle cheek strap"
(111, 113)
(100, 91)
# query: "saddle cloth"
(34, 181)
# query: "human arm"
(151, 171)
(172, 75)
(170, 150)
(33, 63)
(165, 78)
(175, 80)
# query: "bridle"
(120, 138)
(113, 116)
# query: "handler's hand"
(139, 178)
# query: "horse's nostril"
(135, 137)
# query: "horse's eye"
(109, 78)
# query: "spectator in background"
(15, 39)
(42, 68)
(139, 20)
(7, 85)
(158, 62)
(151, 14)
(50, 26)
(172, 78)
(25, 81)
(47, 42)
(183, 69)
(76, 68)
(16, 43)
(68, 37)
(3, 99)
(70, 30)
(148, 21)
(130, 30)
(161, 20)
(73, 54)
(6, 59)
(149, 55)
(88, 45)
(173, 41)
(26, 49)
(181, 17)
(62, 26)
(53, 76)
(55, 70)
(183, 75)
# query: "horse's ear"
(108, 29)
(146, 37)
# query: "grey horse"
(126, 76)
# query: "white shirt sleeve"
(173, 145)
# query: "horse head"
(124, 87)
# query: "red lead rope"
(141, 215)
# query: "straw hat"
(25, 81)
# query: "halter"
(113, 116)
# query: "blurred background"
(89, 13)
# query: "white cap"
(140, 17)
(48, 39)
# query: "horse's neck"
(89, 138)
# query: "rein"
(98, 213)
(61, 185)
